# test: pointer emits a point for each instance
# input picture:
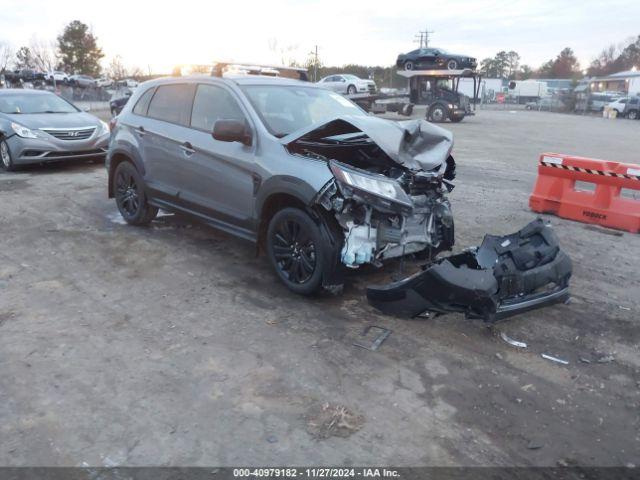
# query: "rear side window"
(213, 103)
(634, 101)
(143, 103)
(171, 103)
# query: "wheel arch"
(115, 159)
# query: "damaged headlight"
(381, 191)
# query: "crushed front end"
(390, 185)
(505, 276)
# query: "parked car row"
(16, 77)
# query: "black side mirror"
(231, 131)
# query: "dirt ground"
(175, 344)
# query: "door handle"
(187, 149)
(141, 131)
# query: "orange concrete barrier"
(614, 201)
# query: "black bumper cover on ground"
(505, 276)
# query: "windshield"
(34, 103)
(285, 109)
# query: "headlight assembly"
(380, 190)
(103, 129)
(23, 131)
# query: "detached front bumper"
(503, 277)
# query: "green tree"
(79, 51)
(24, 59)
(525, 73)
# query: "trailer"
(438, 90)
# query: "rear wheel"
(5, 157)
(408, 65)
(438, 114)
(130, 197)
(633, 115)
(294, 249)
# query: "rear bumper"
(503, 277)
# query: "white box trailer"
(528, 90)
(634, 86)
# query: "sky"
(156, 35)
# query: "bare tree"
(6, 54)
(44, 54)
(116, 69)
(286, 54)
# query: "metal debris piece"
(606, 359)
(511, 341)
(382, 336)
(585, 360)
(555, 359)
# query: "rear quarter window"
(142, 104)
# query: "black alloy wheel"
(294, 249)
(130, 196)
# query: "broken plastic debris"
(511, 341)
(555, 359)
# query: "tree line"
(75, 51)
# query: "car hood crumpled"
(414, 144)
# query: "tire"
(294, 250)
(6, 162)
(632, 115)
(408, 65)
(351, 89)
(438, 114)
(452, 64)
(131, 199)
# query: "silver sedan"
(40, 127)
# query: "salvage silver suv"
(314, 180)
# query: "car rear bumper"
(25, 151)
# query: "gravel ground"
(175, 344)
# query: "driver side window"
(213, 103)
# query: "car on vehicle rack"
(348, 84)
(434, 59)
(37, 126)
(318, 183)
(57, 76)
(84, 81)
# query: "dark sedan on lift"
(434, 58)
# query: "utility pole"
(315, 65)
(423, 37)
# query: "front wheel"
(351, 89)
(408, 65)
(130, 196)
(438, 114)
(294, 247)
(5, 157)
(632, 115)
(452, 64)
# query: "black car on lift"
(434, 58)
